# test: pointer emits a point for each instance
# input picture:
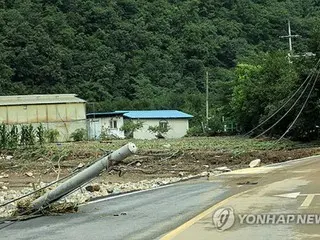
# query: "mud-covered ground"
(157, 163)
(155, 158)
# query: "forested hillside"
(138, 54)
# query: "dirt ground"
(22, 168)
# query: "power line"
(303, 106)
(292, 96)
(292, 106)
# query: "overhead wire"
(302, 108)
(289, 110)
(281, 107)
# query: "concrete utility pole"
(84, 176)
(207, 97)
(290, 54)
(290, 36)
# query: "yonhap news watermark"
(224, 218)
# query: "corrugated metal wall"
(66, 117)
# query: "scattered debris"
(181, 174)
(167, 145)
(9, 157)
(80, 165)
(247, 183)
(206, 166)
(223, 169)
(4, 176)
(110, 189)
(4, 187)
(138, 164)
(29, 174)
(255, 163)
(93, 188)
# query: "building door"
(94, 129)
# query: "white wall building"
(178, 122)
(107, 123)
(111, 122)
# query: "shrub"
(51, 135)
(159, 130)
(79, 135)
(129, 127)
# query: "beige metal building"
(64, 112)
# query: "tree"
(160, 130)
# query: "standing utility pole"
(290, 36)
(207, 97)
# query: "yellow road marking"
(189, 223)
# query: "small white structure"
(111, 123)
(178, 122)
(105, 123)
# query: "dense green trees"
(135, 54)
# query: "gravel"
(82, 195)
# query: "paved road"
(166, 212)
(149, 215)
(286, 194)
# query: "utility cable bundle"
(310, 80)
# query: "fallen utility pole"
(84, 176)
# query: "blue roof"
(104, 114)
(155, 114)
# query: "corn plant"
(40, 134)
(3, 136)
(13, 137)
(24, 136)
(31, 135)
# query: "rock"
(93, 188)
(167, 145)
(4, 187)
(4, 176)
(138, 164)
(29, 174)
(80, 165)
(206, 166)
(204, 174)
(181, 174)
(223, 169)
(110, 189)
(255, 163)
(9, 157)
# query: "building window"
(113, 124)
(163, 124)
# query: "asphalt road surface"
(145, 215)
(184, 210)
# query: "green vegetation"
(11, 137)
(160, 130)
(134, 54)
(129, 127)
(51, 135)
(79, 135)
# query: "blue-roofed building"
(177, 122)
